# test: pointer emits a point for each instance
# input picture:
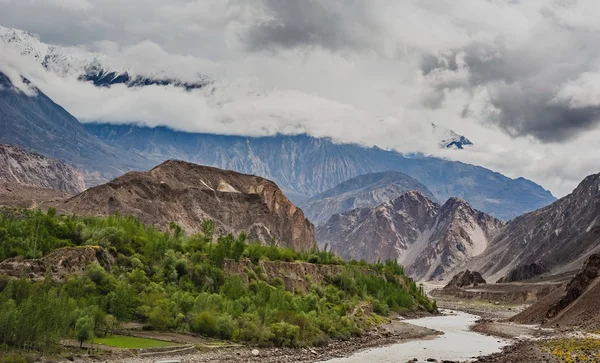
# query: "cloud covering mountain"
(520, 79)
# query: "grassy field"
(122, 341)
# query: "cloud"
(518, 78)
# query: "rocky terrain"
(367, 190)
(34, 122)
(524, 272)
(188, 194)
(428, 239)
(304, 166)
(558, 237)
(465, 279)
(575, 304)
(58, 265)
(25, 196)
(19, 166)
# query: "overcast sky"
(521, 79)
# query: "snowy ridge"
(88, 66)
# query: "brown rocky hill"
(188, 194)
(558, 237)
(18, 166)
(574, 304)
(428, 239)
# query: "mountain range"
(427, 238)
(304, 166)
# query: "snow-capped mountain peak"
(91, 67)
(449, 139)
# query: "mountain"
(558, 237)
(33, 121)
(189, 194)
(367, 190)
(428, 239)
(450, 139)
(304, 166)
(26, 168)
(91, 67)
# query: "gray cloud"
(328, 24)
(506, 74)
(522, 80)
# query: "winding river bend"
(457, 343)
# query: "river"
(457, 343)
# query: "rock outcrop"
(58, 265)
(189, 194)
(19, 166)
(428, 239)
(363, 191)
(465, 279)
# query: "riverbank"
(396, 331)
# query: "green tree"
(84, 329)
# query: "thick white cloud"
(519, 78)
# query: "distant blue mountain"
(304, 166)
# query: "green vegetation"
(170, 281)
(122, 341)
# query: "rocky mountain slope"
(26, 196)
(574, 304)
(428, 239)
(558, 237)
(304, 166)
(36, 123)
(367, 190)
(188, 194)
(27, 168)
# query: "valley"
(294, 187)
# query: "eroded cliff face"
(188, 194)
(428, 239)
(58, 265)
(18, 166)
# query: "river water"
(457, 343)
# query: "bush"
(12, 358)
(204, 323)
(285, 334)
(225, 326)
